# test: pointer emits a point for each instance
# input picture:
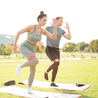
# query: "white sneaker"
(18, 70)
(29, 91)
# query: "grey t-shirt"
(54, 43)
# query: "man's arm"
(67, 36)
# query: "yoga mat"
(14, 90)
(61, 85)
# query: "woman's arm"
(54, 35)
(49, 35)
(27, 29)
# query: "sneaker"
(29, 91)
(53, 84)
(45, 76)
(18, 70)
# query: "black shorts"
(53, 53)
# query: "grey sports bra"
(33, 36)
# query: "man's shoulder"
(61, 30)
(49, 27)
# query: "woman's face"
(43, 21)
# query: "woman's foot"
(46, 75)
(18, 70)
(29, 91)
(53, 84)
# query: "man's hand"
(54, 23)
(67, 25)
(40, 46)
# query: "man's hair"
(58, 17)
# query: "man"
(52, 49)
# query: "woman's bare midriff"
(34, 43)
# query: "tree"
(87, 49)
(37, 49)
(8, 49)
(91, 45)
(94, 45)
(82, 45)
(4, 49)
(1, 50)
(69, 47)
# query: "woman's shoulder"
(44, 30)
(31, 28)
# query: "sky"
(81, 14)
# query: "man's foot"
(18, 70)
(29, 91)
(45, 75)
(53, 84)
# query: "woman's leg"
(31, 78)
(31, 62)
(30, 55)
(31, 75)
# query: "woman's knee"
(36, 61)
(32, 69)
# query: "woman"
(52, 49)
(27, 47)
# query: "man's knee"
(56, 63)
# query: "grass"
(43, 55)
(70, 71)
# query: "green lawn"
(43, 55)
(70, 71)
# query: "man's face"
(60, 22)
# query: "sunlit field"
(70, 71)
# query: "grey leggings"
(28, 50)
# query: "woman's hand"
(54, 24)
(15, 48)
(40, 46)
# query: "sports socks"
(29, 91)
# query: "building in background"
(4, 39)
